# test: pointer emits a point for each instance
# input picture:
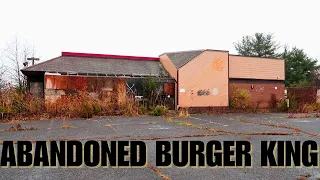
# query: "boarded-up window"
(168, 89)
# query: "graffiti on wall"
(205, 92)
(260, 89)
(218, 64)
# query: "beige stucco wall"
(256, 68)
(208, 75)
(168, 65)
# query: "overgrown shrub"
(143, 109)
(15, 102)
(240, 99)
(293, 104)
(149, 87)
(85, 106)
(311, 108)
(87, 110)
(96, 109)
(283, 107)
(18, 105)
(294, 107)
(159, 110)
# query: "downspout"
(177, 91)
(228, 80)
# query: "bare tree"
(2, 80)
(16, 54)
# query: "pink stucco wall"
(203, 81)
(168, 65)
(256, 68)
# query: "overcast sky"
(150, 28)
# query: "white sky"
(150, 28)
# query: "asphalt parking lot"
(227, 127)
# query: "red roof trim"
(110, 56)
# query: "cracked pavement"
(148, 128)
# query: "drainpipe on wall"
(177, 91)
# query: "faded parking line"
(209, 122)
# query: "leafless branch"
(16, 53)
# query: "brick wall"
(264, 93)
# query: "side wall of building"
(264, 93)
(168, 65)
(256, 68)
(203, 82)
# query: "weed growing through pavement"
(67, 127)
(18, 127)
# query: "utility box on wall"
(36, 88)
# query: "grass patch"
(159, 110)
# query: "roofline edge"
(76, 54)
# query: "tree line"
(300, 69)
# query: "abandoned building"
(189, 79)
(206, 78)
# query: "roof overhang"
(106, 75)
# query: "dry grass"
(304, 176)
(158, 172)
(299, 116)
(23, 106)
(183, 113)
(186, 123)
(13, 103)
(85, 106)
(18, 127)
(67, 127)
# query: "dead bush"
(13, 102)
(18, 105)
(183, 113)
(85, 106)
